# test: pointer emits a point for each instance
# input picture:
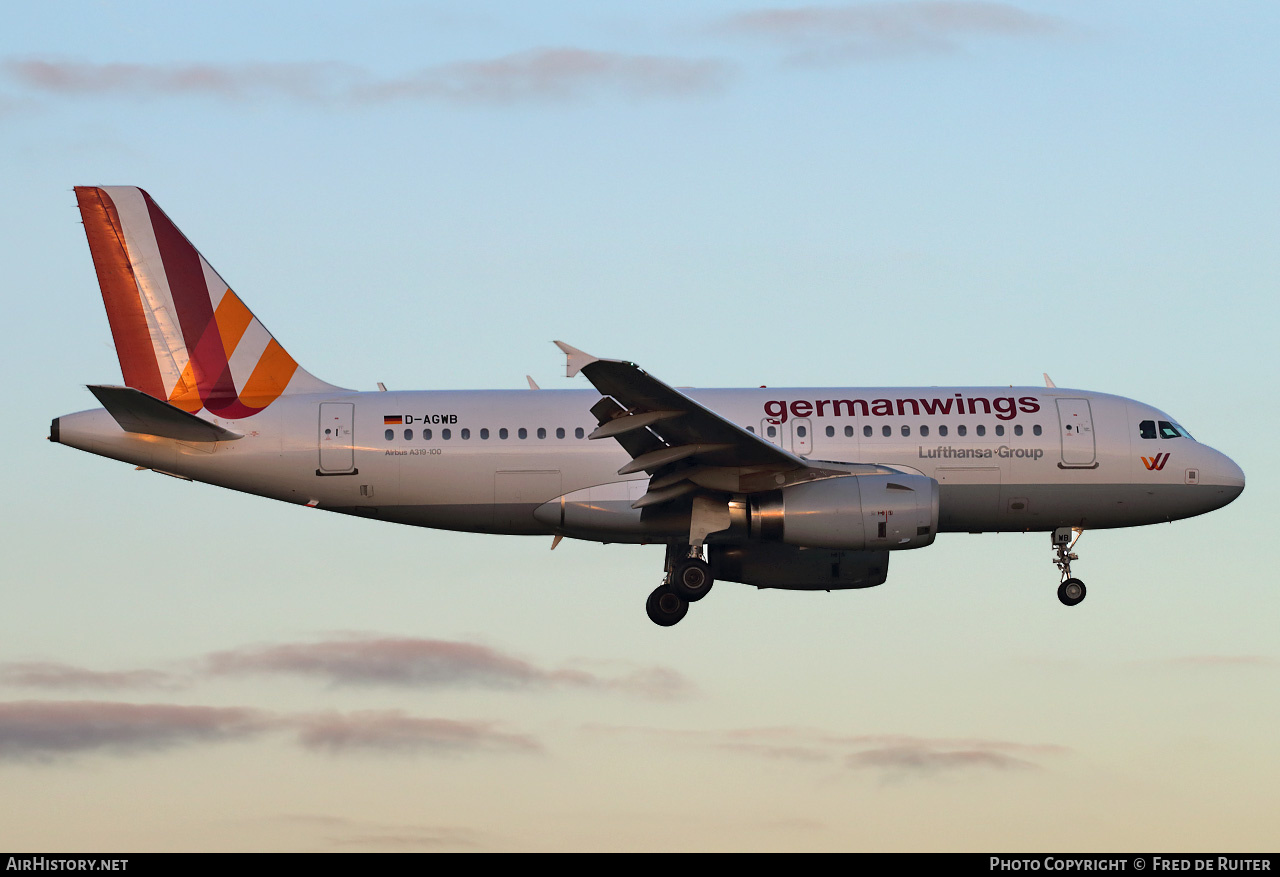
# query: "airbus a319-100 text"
(805, 489)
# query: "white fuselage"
(1005, 458)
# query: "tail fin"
(181, 334)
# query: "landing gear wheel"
(1071, 592)
(692, 579)
(666, 607)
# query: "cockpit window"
(1148, 429)
(1168, 430)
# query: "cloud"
(895, 753)
(311, 82)
(555, 74)
(834, 34)
(930, 758)
(394, 731)
(430, 663)
(546, 74)
(345, 832)
(47, 674)
(47, 730)
(42, 730)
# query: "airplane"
(803, 489)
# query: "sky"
(730, 194)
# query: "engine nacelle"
(771, 565)
(853, 512)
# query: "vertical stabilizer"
(181, 334)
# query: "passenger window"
(866, 430)
(484, 433)
(445, 434)
(466, 433)
(831, 431)
(542, 432)
(390, 434)
(887, 431)
(426, 435)
(906, 430)
(773, 432)
(1036, 429)
(924, 431)
(1000, 429)
(1168, 430)
(751, 429)
(578, 433)
(502, 433)
(408, 435)
(1017, 430)
(801, 431)
(559, 432)
(522, 433)
(962, 429)
(1147, 429)
(982, 430)
(942, 430)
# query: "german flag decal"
(393, 419)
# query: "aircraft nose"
(1224, 473)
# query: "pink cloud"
(47, 674)
(558, 74)
(395, 731)
(317, 81)
(342, 831)
(535, 75)
(928, 758)
(827, 34)
(41, 730)
(895, 752)
(420, 662)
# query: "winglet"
(576, 360)
(1048, 381)
(533, 385)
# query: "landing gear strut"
(688, 579)
(1071, 591)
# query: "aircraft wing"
(680, 443)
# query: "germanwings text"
(1003, 407)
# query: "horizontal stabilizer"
(135, 411)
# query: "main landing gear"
(1071, 591)
(688, 579)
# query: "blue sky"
(730, 194)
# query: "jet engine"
(854, 512)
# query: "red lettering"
(801, 408)
(849, 403)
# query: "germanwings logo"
(1156, 463)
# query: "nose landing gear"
(1071, 591)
